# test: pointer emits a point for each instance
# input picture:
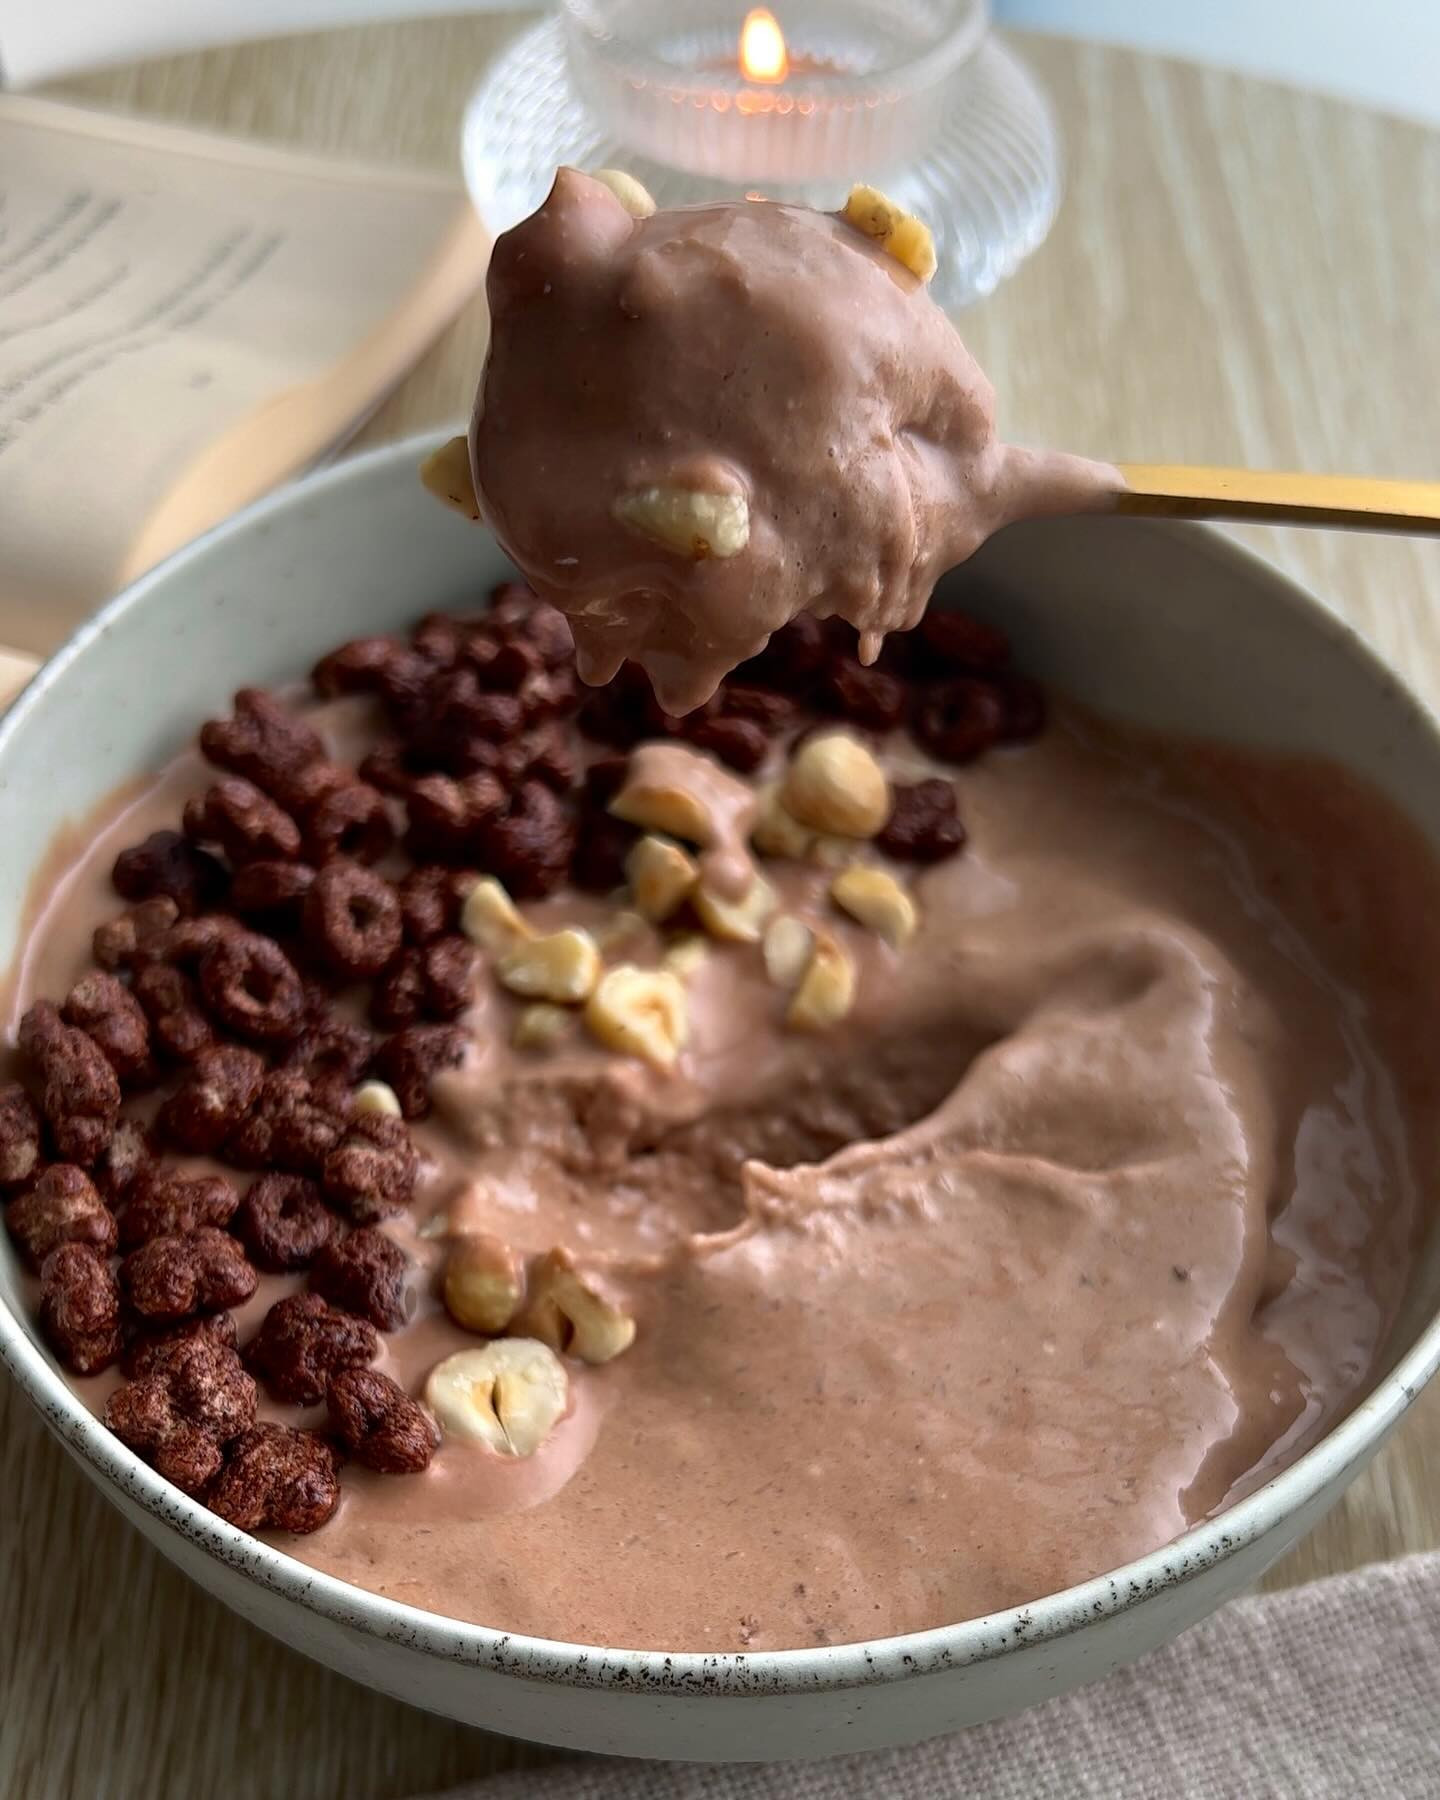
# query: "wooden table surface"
(1240, 273)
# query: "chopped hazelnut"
(736, 921)
(913, 243)
(675, 811)
(640, 1012)
(489, 917)
(827, 988)
(563, 967)
(637, 200)
(787, 947)
(569, 1311)
(900, 234)
(776, 832)
(872, 212)
(830, 852)
(835, 785)
(377, 1097)
(692, 524)
(510, 1394)
(681, 792)
(661, 876)
(541, 1026)
(483, 1283)
(687, 955)
(876, 899)
(446, 474)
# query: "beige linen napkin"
(1327, 1691)
(16, 668)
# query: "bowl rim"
(698, 1674)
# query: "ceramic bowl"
(1139, 620)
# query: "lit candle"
(763, 55)
(831, 94)
(702, 99)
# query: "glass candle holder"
(719, 91)
(914, 96)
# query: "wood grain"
(1240, 274)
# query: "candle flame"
(763, 56)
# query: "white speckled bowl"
(1167, 625)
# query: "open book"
(186, 320)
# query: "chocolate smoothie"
(695, 424)
(839, 1162)
(951, 1167)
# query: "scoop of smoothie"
(694, 425)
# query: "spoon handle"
(1275, 497)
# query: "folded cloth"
(1323, 1691)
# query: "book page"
(183, 321)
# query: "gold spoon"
(1277, 497)
(1152, 490)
